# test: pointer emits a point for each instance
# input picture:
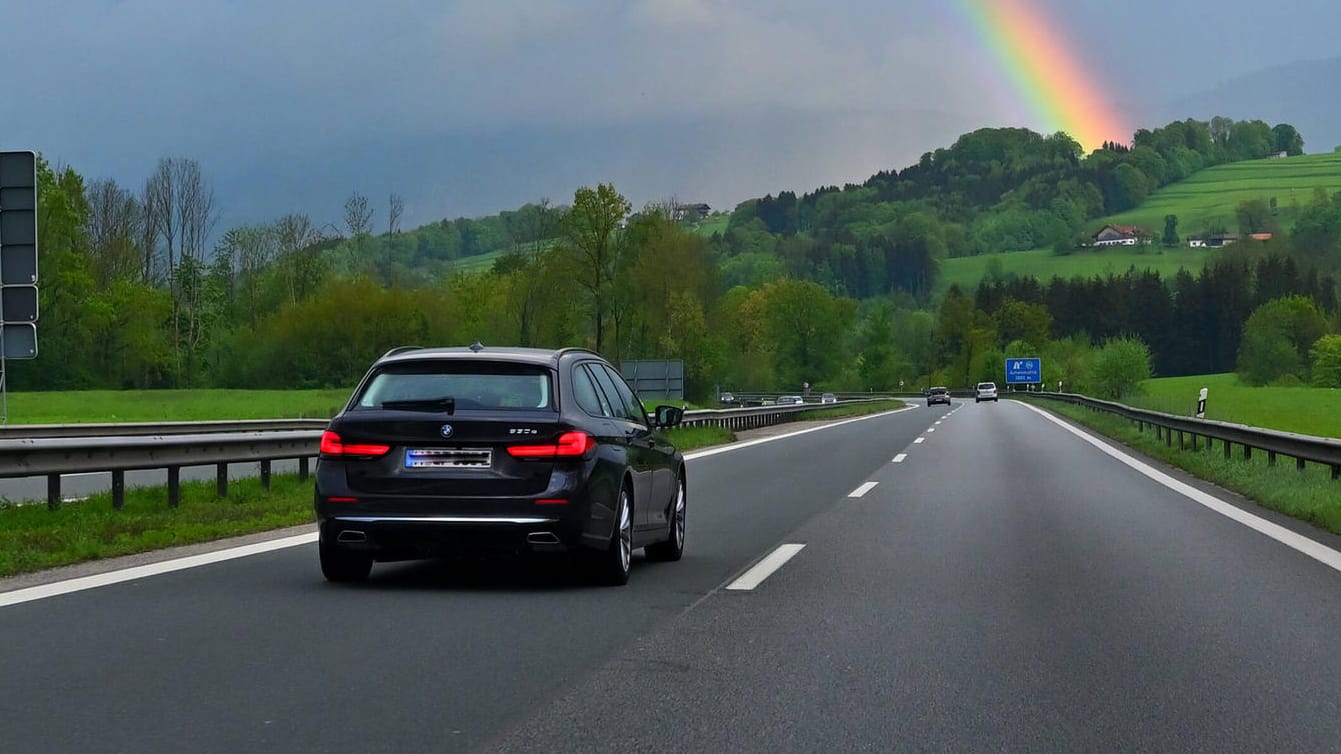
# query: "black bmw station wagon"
(449, 450)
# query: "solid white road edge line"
(153, 569)
(1298, 542)
(29, 594)
(899, 458)
(862, 490)
(764, 568)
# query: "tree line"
(140, 288)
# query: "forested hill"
(993, 190)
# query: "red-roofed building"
(1120, 235)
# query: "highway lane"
(1005, 587)
(258, 654)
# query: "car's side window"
(631, 402)
(584, 391)
(613, 405)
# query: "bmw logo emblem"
(446, 430)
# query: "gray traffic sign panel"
(19, 303)
(18, 218)
(20, 340)
(1024, 371)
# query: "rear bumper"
(411, 537)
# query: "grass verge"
(76, 406)
(33, 538)
(1309, 495)
(692, 438)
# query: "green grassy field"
(81, 406)
(1212, 194)
(714, 224)
(476, 264)
(1044, 264)
(1306, 410)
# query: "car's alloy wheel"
(339, 564)
(673, 548)
(612, 566)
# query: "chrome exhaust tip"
(542, 538)
(352, 536)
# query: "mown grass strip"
(851, 409)
(1306, 410)
(692, 438)
(33, 538)
(1309, 495)
(82, 406)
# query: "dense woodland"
(139, 287)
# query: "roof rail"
(401, 349)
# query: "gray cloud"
(451, 103)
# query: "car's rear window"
(473, 385)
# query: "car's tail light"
(569, 445)
(332, 445)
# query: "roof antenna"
(477, 346)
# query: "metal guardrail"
(54, 456)
(172, 445)
(1302, 448)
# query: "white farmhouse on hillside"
(1120, 235)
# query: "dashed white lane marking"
(862, 490)
(764, 568)
(751, 443)
(153, 569)
(1316, 550)
(931, 429)
(899, 458)
(919, 441)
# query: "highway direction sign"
(1024, 371)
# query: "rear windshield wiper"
(447, 404)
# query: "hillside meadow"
(1305, 410)
(1212, 194)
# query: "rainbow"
(1052, 82)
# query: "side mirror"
(669, 416)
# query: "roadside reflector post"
(118, 489)
(221, 479)
(1201, 404)
(174, 486)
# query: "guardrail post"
(174, 486)
(1247, 452)
(1271, 458)
(1228, 447)
(302, 469)
(1336, 472)
(118, 489)
(1299, 464)
(1181, 445)
(1196, 442)
(53, 491)
(221, 479)
(265, 475)
(1168, 437)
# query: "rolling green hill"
(1207, 196)
(1211, 194)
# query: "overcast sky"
(471, 106)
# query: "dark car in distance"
(938, 395)
(446, 451)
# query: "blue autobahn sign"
(1019, 371)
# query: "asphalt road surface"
(1004, 586)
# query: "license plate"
(449, 458)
